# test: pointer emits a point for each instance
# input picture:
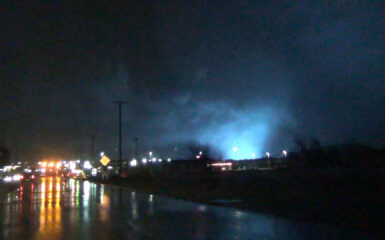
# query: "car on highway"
(10, 177)
(28, 176)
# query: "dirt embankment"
(352, 200)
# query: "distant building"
(189, 167)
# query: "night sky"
(248, 74)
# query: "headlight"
(7, 179)
(16, 177)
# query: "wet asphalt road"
(53, 208)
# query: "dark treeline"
(349, 155)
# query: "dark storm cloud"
(244, 74)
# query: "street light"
(58, 165)
(200, 153)
(253, 155)
(101, 154)
(268, 154)
(133, 163)
(235, 149)
(87, 165)
(72, 165)
(284, 153)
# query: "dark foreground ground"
(351, 200)
(52, 208)
(5, 188)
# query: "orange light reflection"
(50, 215)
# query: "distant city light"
(159, 160)
(221, 164)
(87, 165)
(153, 159)
(72, 165)
(58, 165)
(76, 171)
(133, 163)
(7, 168)
(168, 159)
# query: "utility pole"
(120, 103)
(93, 149)
(136, 148)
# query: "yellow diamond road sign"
(105, 160)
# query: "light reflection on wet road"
(68, 209)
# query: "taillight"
(33, 176)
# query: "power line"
(136, 139)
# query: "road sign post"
(105, 161)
